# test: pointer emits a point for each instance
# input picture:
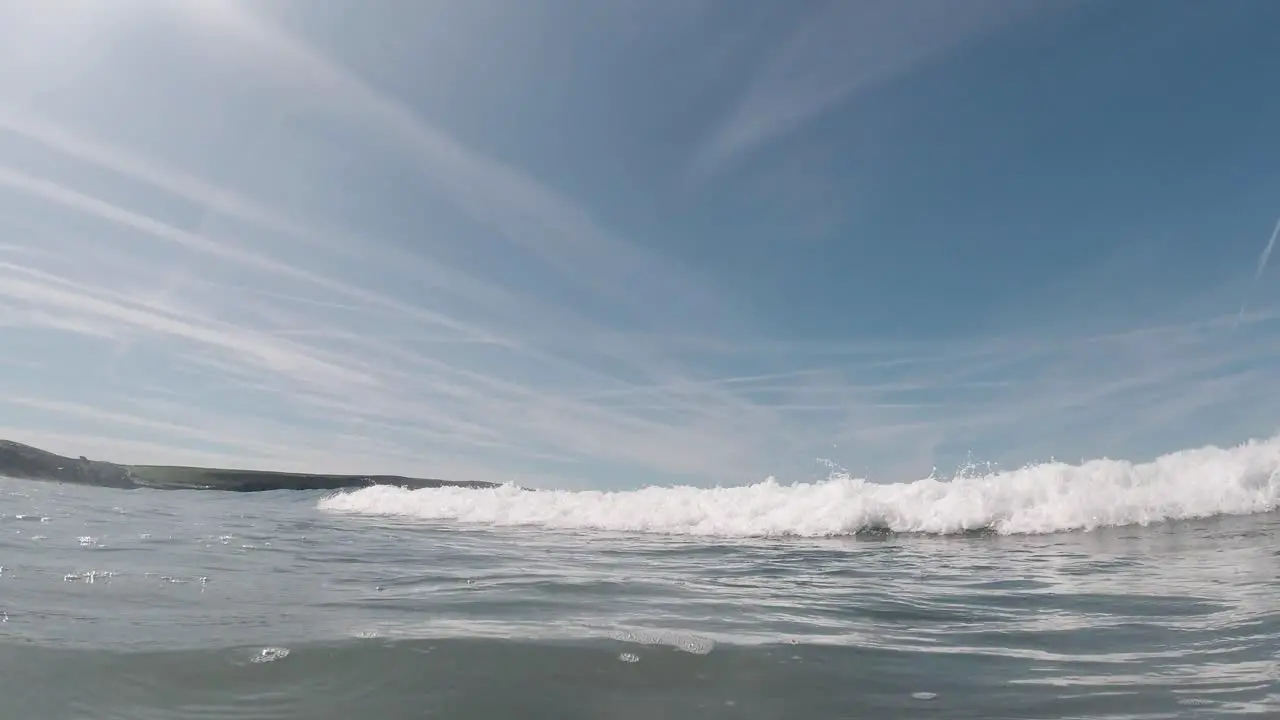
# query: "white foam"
(270, 654)
(1037, 499)
(685, 642)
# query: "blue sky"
(586, 244)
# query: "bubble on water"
(270, 654)
(88, 541)
(629, 658)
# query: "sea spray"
(1043, 498)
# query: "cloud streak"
(403, 408)
(837, 50)
(1262, 266)
(530, 215)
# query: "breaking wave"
(1044, 498)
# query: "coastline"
(25, 462)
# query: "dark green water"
(143, 604)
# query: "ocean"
(1099, 590)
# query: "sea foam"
(1044, 498)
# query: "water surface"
(151, 604)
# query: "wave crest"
(1044, 498)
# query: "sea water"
(1101, 590)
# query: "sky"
(641, 242)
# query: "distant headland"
(28, 463)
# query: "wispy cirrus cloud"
(527, 214)
(1262, 265)
(364, 291)
(838, 49)
(424, 414)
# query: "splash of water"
(1043, 498)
